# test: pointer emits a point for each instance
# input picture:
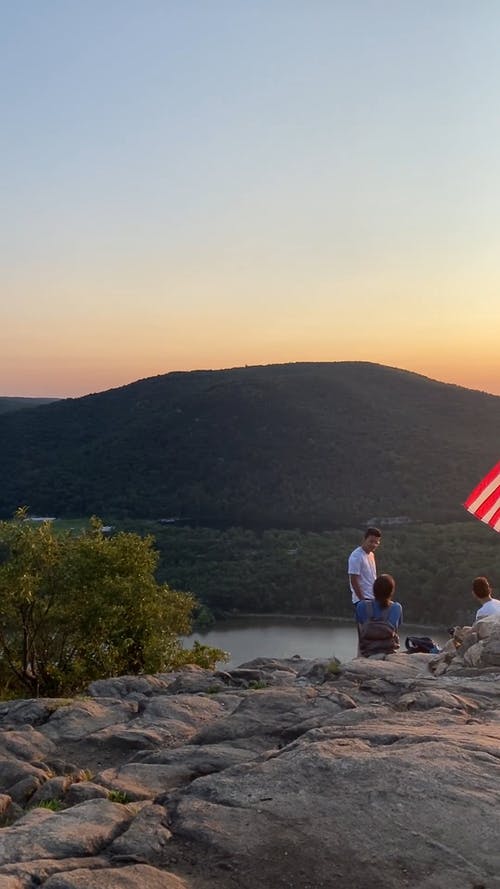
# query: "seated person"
(379, 619)
(482, 591)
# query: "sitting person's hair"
(481, 587)
(383, 588)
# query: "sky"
(212, 183)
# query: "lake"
(281, 637)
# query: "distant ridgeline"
(311, 446)
(10, 403)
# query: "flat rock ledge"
(374, 774)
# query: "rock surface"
(285, 774)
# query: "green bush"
(78, 608)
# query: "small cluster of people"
(377, 615)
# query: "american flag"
(484, 501)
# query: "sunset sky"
(213, 183)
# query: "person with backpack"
(379, 619)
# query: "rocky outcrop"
(477, 646)
(285, 774)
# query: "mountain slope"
(311, 445)
(11, 403)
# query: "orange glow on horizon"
(81, 378)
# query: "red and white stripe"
(484, 501)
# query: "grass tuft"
(119, 796)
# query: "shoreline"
(312, 617)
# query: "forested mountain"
(11, 403)
(296, 445)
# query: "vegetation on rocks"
(53, 805)
(78, 608)
(118, 796)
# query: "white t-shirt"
(362, 564)
(492, 606)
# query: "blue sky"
(208, 184)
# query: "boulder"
(80, 719)
(157, 773)
(315, 789)
(81, 791)
(9, 810)
(146, 838)
(477, 647)
(7, 882)
(53, 789)
(12, 771)
(268, 712)
(163, 721)
(26, 743)
(34, 872)
(82, 830)
(490, 653)
(126, 686)
(134, 877)
(262, 783)
(32, 712)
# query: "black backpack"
(377, 635)
(424, 644)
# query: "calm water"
(248, 638)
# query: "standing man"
(362, 567)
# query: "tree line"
(296, 572)
(78, 605)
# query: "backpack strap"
(384, 614)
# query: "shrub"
(78, 608)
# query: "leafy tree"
(74, 608)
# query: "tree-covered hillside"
(299, 572)
(11, 403)
(298, 445)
